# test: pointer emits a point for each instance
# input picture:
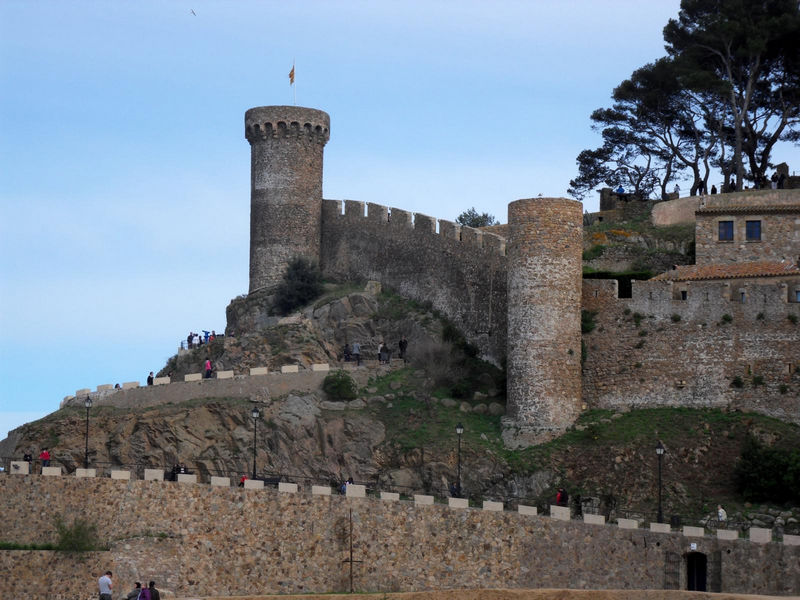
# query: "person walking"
(154, 593)
(105, 585)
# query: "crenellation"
(494, 243)
(399, 219)
(424, 223)
(449, 230)
(377, 213)
(331, 209)
(353, 210)
(471, 237)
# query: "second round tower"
(286, 155)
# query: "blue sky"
(124, 188)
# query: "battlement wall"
(707, 350)
(462, 271)
(179, 534)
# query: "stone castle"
(682, 339)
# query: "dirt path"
(515, 595)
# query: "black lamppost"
(255, 414)
(660, 453)
(88, 404)
(459, 431)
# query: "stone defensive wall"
(693, 344)
(200, 540)
(681, 210)
(259, 384)
(462, 271)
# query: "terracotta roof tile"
(733, 271)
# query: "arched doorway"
(696, 570)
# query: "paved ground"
(516, 595)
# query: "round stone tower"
(286, 147)
(544, 318)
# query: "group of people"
(44, 457)
(106, 585)
(353, 353)
(195, 340)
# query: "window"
(684, 294)
(753, 231)
(726, 231)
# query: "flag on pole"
(291, 75)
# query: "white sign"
(693, 546)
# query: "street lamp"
(88, 404)
(660, 452)
(255, 413)
(459, 431)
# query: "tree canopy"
(471, 218)
(725, 94)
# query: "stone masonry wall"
(655, 349)
(198, 540)
(460, 270)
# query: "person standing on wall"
(105, 584)
(150, 378)
(208, 368)
(44, 456)
(357, 353)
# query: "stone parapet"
(51, 471)
(85, 472)
(561, 513)
(120, 475)
(458, 502)
(20, 467)
(690, 531)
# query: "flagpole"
(294, 85)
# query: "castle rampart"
(460, 270)
(282, 542)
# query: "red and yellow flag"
(291, 76)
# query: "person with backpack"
(154, 593)
(134, 593)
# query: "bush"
(301, 284)
(675, 317)
(340, 385)
(737, 382)
(80, 536)
(726, 318)
(594, 252)
(758, 380)
(793, 319)
(768, 474)
(783, 388)
(587, 320)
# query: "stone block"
(187, 478)
(660, 527)
(727, 534)
(355, 491)
(458, 502)
(104, 387)
(153, 475)
(627, 523)
(287, 488)
(121, 475)
(392, 496)
(290, 369)
(320, 367)
(253, 484)
(220, 481)
(259, 370)
(492, 506)
(51, 471)
(193, 377)
(559, 512)
(594, 519)
(20, 467)
(161, 380)
(527, 510)
(690, 531)
(423, 500)
(791, 540)
(320, 490)
(760, 535)
(129, 385)
(82, 393)
(85, 472)
(224, 374)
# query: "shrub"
(737, 382)
(639, 344)
(764, 473)
(80, 536)
(793, 319)
(675, 317)
(593, 252)
(758, 380)
(301, 284)
(340, 385)
(637, 318)
(760, 316)
(726, 318)
(783, 388)
(587, 320)
(642, 332)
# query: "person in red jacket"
(44, 456)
